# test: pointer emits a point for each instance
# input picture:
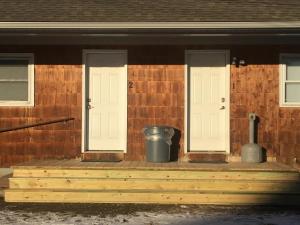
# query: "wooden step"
(153, 184)
(157, 174)
(156, 197)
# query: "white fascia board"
(148, 25)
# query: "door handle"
(89, 106)
(223, 107)
(88, 103)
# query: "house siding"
(57, 95)
(156, 97)
(255, 88)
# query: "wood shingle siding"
(57, 95)
(255, 88)
(156, 97)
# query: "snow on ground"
(114, 214)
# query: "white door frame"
(227, 103)
(85, 52)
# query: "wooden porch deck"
(78, 164)
(163, 183)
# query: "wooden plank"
(149, 197)
(4, 182)
(96, 156)
(76, 164)
(159, 174)
(150, 184)
(207, 157)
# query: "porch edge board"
(206, 185)
(159, 175)
(51, 196)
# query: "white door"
(106, 100)
(208, 98)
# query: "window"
(16, 80)
(290, 80)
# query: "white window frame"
(30, 58)
(283, 81)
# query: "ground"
(117, 214)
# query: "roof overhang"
(150, 33)
(150, 25)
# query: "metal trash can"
(158, 142)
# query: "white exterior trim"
(30, 58)
(83, 112)
(148, 25)
(186, 91)
(282, 81)
(85, 52)
(227, 105)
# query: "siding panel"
(157, 97)
(57, 74)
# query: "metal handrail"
(36, 124)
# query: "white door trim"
(227, 105)
(85, 52)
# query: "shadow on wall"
(255, 138)
(256, 130)
(175, 146)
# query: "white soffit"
(149, 25)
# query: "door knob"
(89, 106)
(223, 107)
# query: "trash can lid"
(158, 126)
(161, 130)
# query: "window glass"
(14, 70)
(292, 92)
(293, 68)
(13, 91)
(16, 79)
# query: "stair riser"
(144, 184)
(152, 174)
(157, 198)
